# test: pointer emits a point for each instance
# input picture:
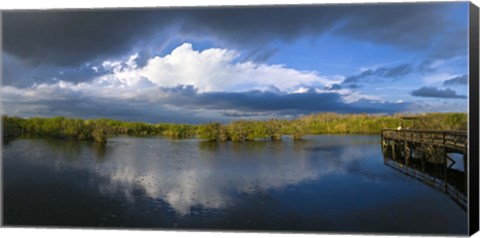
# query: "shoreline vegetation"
(99, 130)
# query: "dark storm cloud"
(433, 92)
(412, 26)
(75, 37)
(93, 107)
(70, 38)
(460, 80)
(384, 72)
(258, 101)
(17, 73)
(186, 104)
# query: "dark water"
(323, 183)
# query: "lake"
(326, 183)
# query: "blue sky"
(203, 64)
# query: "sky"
(194, 65)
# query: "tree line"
(99, 130)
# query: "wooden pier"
(452, 141)
(427, 155)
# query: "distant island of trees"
(99, 130)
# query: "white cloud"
(216, 70)
(208, 70)
(170, 82)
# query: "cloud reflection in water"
(190, 173)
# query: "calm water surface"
(323, 183)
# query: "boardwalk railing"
(453, 140)
(427, 156)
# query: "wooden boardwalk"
(452, 141)
(427, 156)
